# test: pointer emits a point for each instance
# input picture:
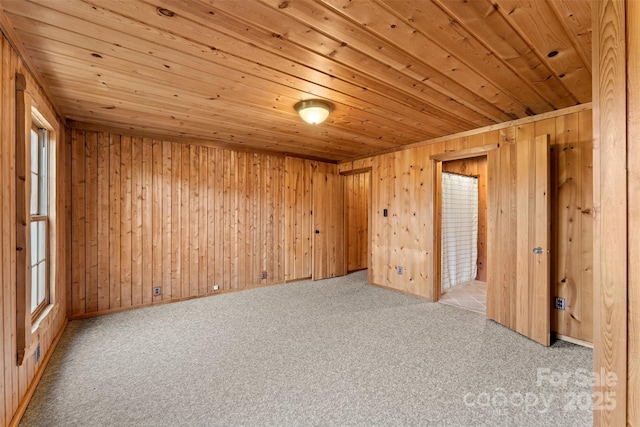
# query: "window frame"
(32, 110)
(40, 214)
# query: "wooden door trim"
(356, 171)
(466, 153)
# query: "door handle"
(317, 231)
(537, 251)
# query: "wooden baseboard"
(151, 304)
(574, 341)
(401, 292)
(36, 379)
(297, 280)
(169, 301)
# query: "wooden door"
(518, 294)
(357, 221)
(328, 226)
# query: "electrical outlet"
(156, 291)
(36, 354)
(560, 304)
(215, 288)
(264, 275)
(400, 270)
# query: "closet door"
(518, 294)
(328, 226)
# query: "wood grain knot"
(165, 12)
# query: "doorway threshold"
(470, 296)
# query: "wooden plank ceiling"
(230, 71)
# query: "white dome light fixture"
(314, 111)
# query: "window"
(36, 223)
(39, 221)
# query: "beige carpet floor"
(335, 352)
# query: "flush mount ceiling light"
(314, 111)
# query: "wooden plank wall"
(357, 220)
(402, 182)
(299, 226)
(15, 381)
(571, 222)
(182, 217)
(476, 166)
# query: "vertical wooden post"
(23, 272)
(610, 203)
(633, 180)
(436, 289)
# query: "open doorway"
(463, 233)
